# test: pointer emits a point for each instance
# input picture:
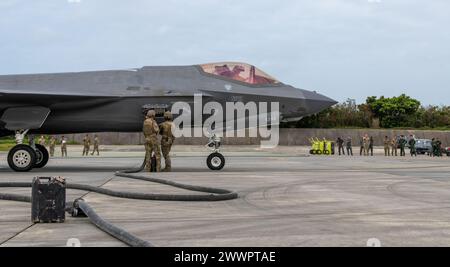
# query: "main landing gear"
(215, 161)
(23, 158)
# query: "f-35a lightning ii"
(113, 101)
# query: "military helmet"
(151, 114)
(168, 115)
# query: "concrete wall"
(287, 137)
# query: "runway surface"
(286, 199)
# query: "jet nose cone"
(317, 102)
(304, 103)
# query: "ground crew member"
(387, 146)
(361, 145)
(340, 143)
(433, 148)
(63, 147)
(412, 146)
(349, 146)
(366, 143)
(42, 140)
(166, 131)
(394, 146)
(86, 145)
(438, 147)
(370, 146)
(151, 130)
(402, 142)
(52, 146)
(96, 144)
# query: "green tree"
(395, 111)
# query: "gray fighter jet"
(113, 101)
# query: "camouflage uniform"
(412, 147)
(366, 144)
(402, 142)
(52, 146)
(167, 140)
(63, 147)
(87, 145)
(151, 130)
(438, 148)
(42, 141)
(387, 143)
(394, 147)
(96, 144)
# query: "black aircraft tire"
(21, 158)
(41, 160)
(215, 161)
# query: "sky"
(340, 48)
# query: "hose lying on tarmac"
(215, 194)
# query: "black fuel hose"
(110, 228)
(215, 194)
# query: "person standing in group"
(366, 144)
(96, 145)
(361, 145)
(167, 139)
(52, 146)
(371, 146)
(387, 146)
(394, 146)
(42, 141)
(349, 146)
(402, 142)
(86, 145)
(438, 147)
(412, 146)
(151, 130)
(433, 148)
(340, 143)
(63, 146)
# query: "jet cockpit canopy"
(239, 72)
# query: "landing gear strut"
(23, 158)
(215, 161)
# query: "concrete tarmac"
(286, 199)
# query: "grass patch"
(6, 143)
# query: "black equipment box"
(48, 200)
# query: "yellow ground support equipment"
(321, 147)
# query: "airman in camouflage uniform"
(166, 131)
(52, 146)
(63, 146)
(86, 145)
(387, 146)
(96, 145)
(42, 140)
(412, 146)
(394, 146)
(151, 131)
(438, 147)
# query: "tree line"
(379, 112)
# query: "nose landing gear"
(215, 161)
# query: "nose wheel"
(215, 161)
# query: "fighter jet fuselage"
(112, 101)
